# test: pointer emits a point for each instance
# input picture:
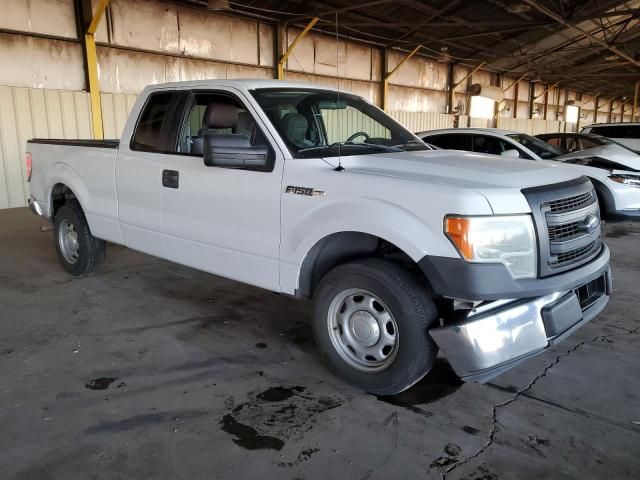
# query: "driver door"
(225, 221)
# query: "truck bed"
(87, 168)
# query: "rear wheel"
(79, 252)
(371, 320)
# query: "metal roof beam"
(562, 21)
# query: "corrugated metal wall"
(34, 112)
(532, 127)
(422, 121)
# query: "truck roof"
(242, 83)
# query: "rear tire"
(79, 252)
(370, 322)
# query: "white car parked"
(626, 133)
(614, 170)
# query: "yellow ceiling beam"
(289, 51)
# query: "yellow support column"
(385, 80)
(301, 35)
(92, 70)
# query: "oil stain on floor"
(273, 416)
(101, 383)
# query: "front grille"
(560, 232)
(571, 203)
(575, 255)
(567, 222)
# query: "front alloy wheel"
(363, 330)
(371, 319)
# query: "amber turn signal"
(457, 229)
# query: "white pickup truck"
(319, 194)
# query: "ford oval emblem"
(590, 223)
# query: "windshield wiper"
(412, 144)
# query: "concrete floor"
(151, 370)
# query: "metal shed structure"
(89, 59)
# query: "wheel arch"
(60, 195)
(605, 198)
(65, 184)
(338, 248)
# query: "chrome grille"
(560, 232)
(575, 255)
(571, 203)
(567, 222)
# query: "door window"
(451, 141)
(589, 143)
(490, 145)
(555, 141)
(219, 114)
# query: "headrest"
(295, 125)
(245, 121)
(220, 115)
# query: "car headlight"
(508, 239)
(631, 180)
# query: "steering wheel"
(356, 135)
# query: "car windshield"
(319, 123)
(537, 146)
(598, 140)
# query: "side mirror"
(511, 153)
(233, 151)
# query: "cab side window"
(587, 143)
(487, 144)
(451, 141)
(572, 144)
(150, 134)
(555, 141)
(224, 117)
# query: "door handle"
(170, 178)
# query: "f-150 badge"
(308, 191)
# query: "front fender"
(411, 234)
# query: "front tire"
(79, 252)
(370, 322)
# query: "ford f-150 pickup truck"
(317, 193)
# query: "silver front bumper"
(495, 337)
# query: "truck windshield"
(319, 123)
(537, 146)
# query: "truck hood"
(617, 158)
(459, 169)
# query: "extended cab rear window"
(148, 135)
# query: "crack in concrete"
(494, 413)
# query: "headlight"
(631, 180)
(508, 239)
